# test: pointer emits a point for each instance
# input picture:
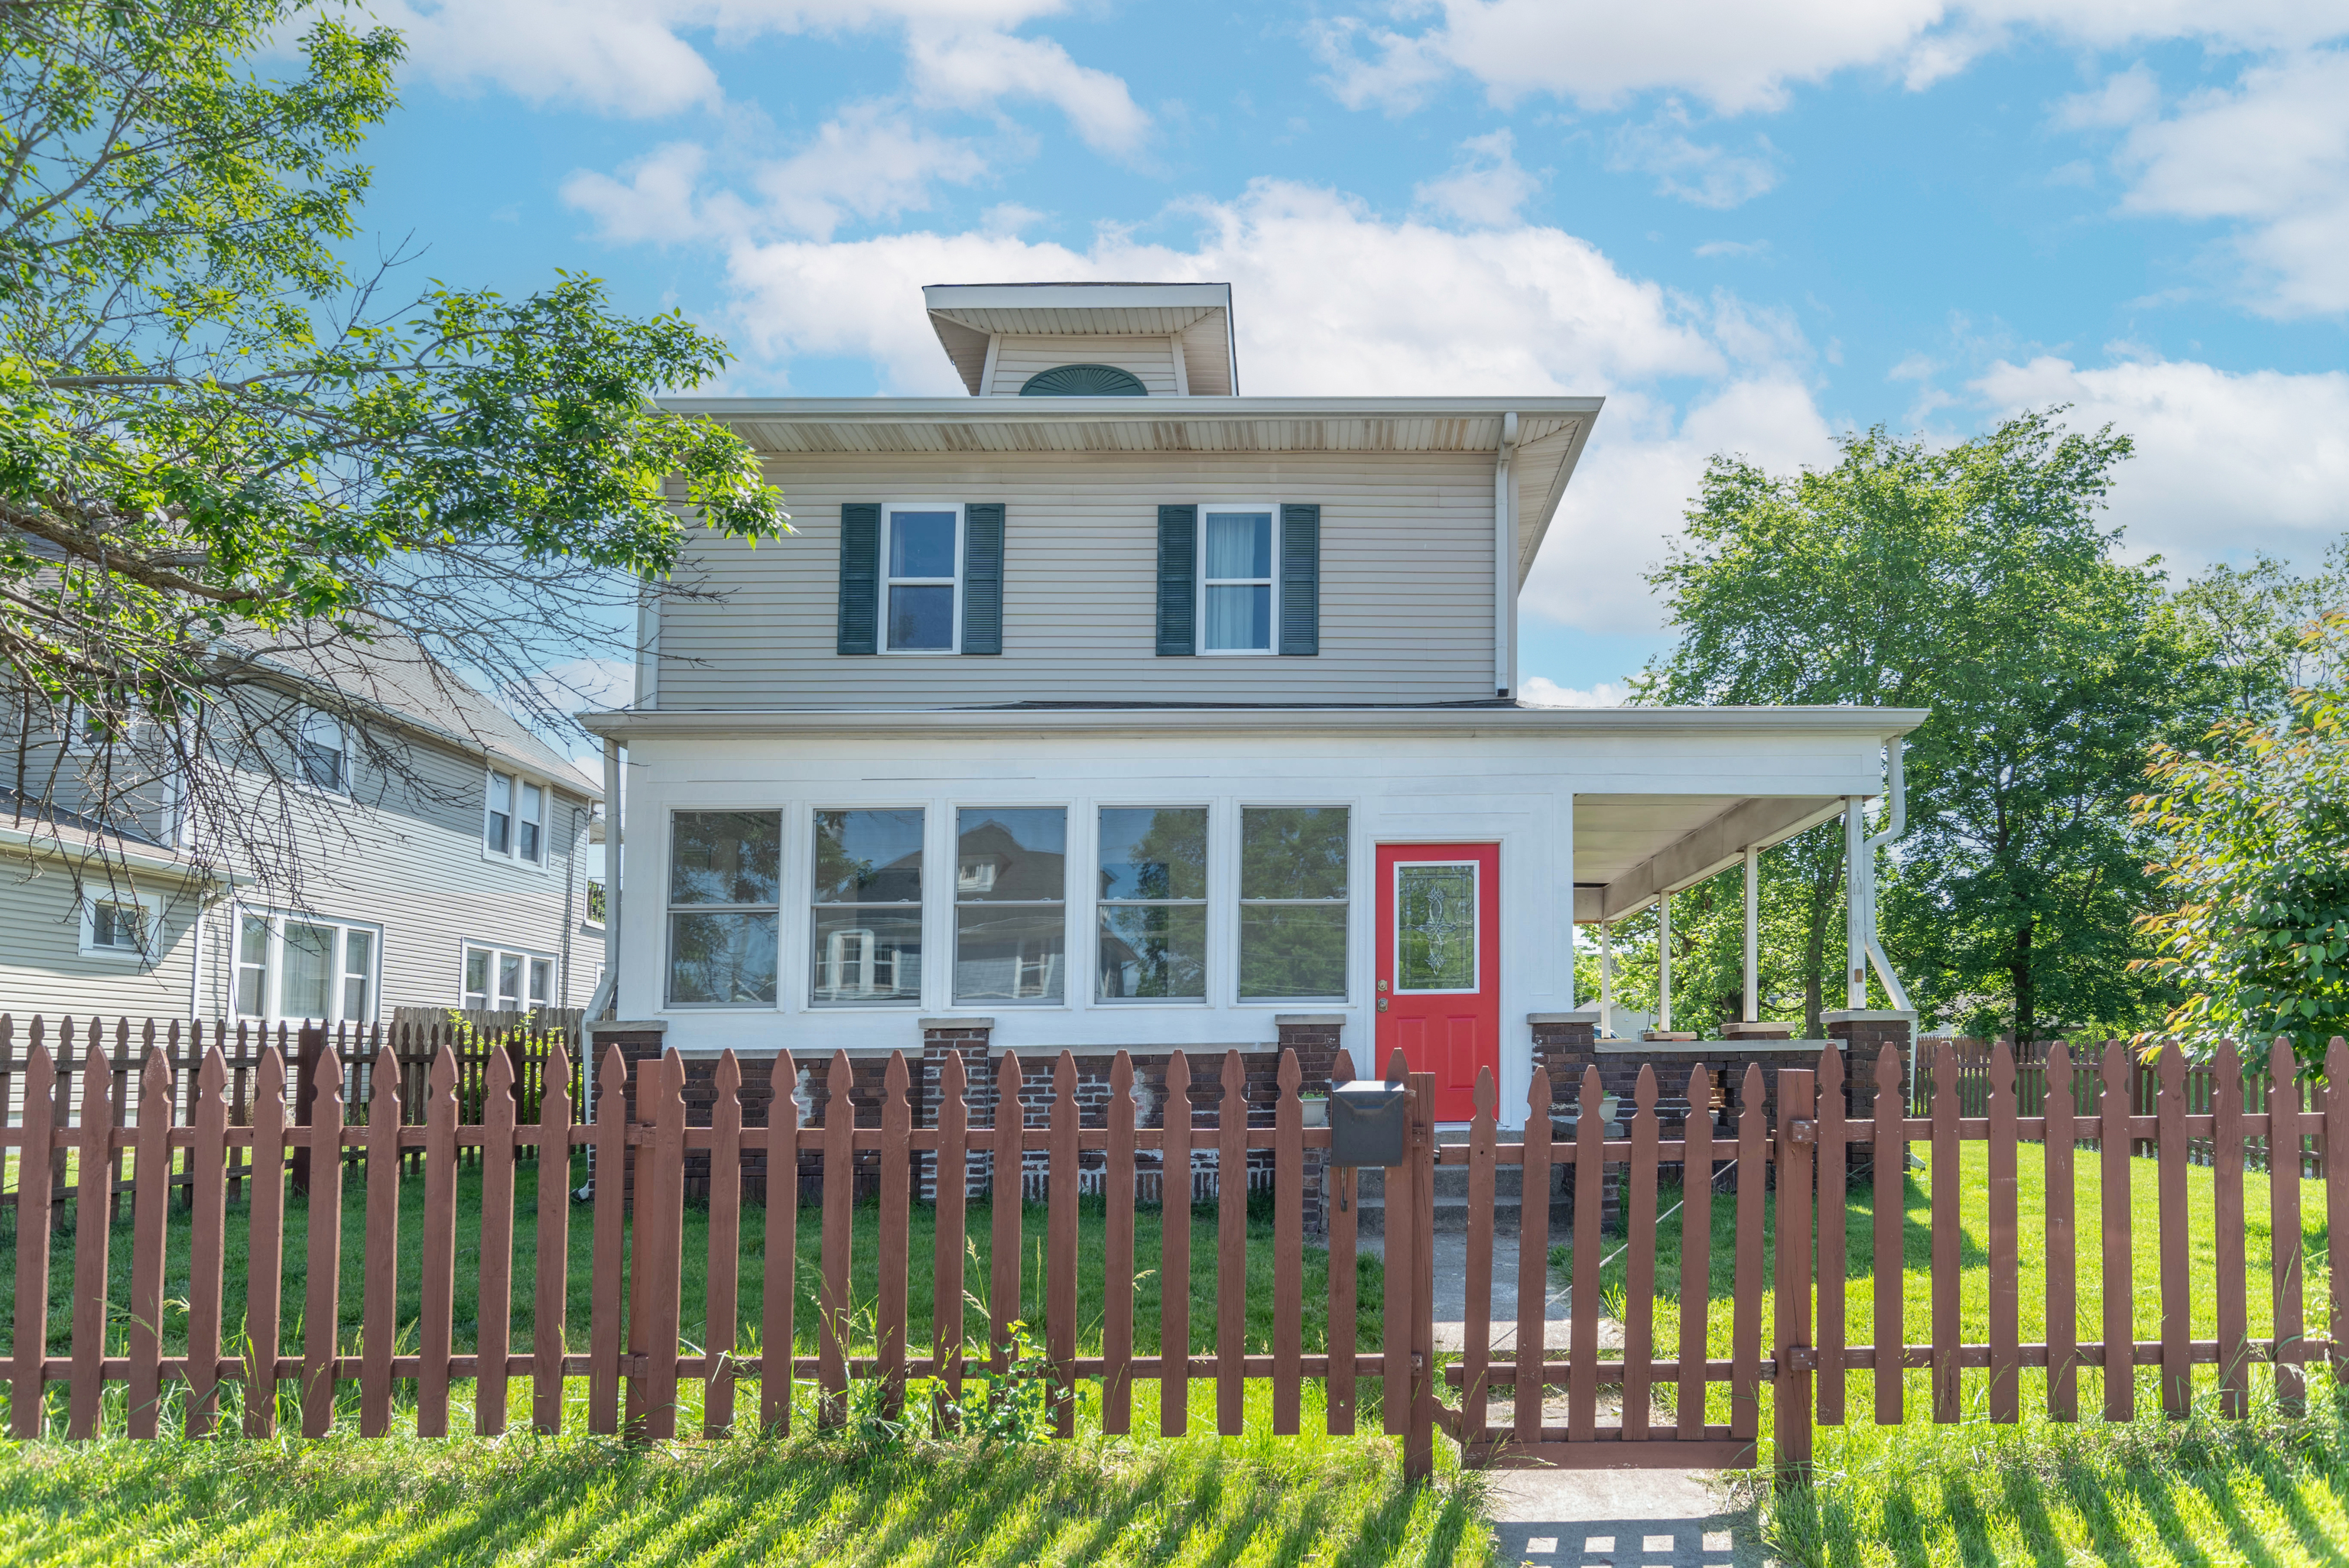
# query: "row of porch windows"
(1010, 901)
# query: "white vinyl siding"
(43, 967)
(1406, 599)
(1150, 359)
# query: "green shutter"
(1300, 580)
(860, 577)
(1178, 581)
(982, 577)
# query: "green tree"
(1975, 581)
(225, 461)
(2253, 829)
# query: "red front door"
(1439, 976)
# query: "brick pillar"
(1567, 1043)
(638, 1041)
(968, 1038)
(1315, 1038)
(1865, 1033)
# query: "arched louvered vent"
(1084, 381)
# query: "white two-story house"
(1108, 707)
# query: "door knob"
(1382, 1003)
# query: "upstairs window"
(921, 553)
(530, 823)
(1235, 581)
(499, 834)
(321, 754)
(515, 824)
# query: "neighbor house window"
(724, 881)
(1293, 890)
(1236, 581)
(499, 832)
(501, 979)
(530, 822)
(864, 933)
(118, 926)
(1012, 890)
(515, 822)
(299, 966)
(921, 548)
(1153, 903)
(321, 752)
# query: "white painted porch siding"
(1406, 584)
(1150, 359)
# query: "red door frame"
(1451, 1034)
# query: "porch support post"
(1858, 864)
(1663, 962)
(1606, 980)
(1753, 934)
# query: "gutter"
(1505, 550)
(616, 724)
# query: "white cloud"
(1734, 248)
(654, 201)
(2271, 157)
(1540, 691)
(2125, 97)
(1707, 176)
(976, 69)
(1486, 186)
(2224, 462)
(1738, 55)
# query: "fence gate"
(1668, 1397)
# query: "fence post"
(1419, 1436)
(1790, 1405)
(309, 1046)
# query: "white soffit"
(1629, 848)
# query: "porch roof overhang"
(1629, 849)
(1551, 431)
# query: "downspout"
(1504, 553)
(1896, 823)
(607, 993)
(570, 894)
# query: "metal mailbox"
(1370, 1123)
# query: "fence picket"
(780, 1293)
(1948, 1330)
(553, 1244)
(1639, 1275)
(1696, 1254)
(661, 1207)
(1477, 1327)
(2227, 1231)
(1886, 1262)
(1117, 1254)
(1061, 1246)
(1752, 1180)
(839, 1191)
(151, 1205)
(1174, 1251)
(1533, 1263)
(93, 1222)
(379, 1263)
(2116, 1104)
(435, 1331)
(266, 1244)
(1231, 1247)
(1834, 1167)
(322, 1303)
(1590, 1250)
(208, 1194)
(2177, 1301)
(1401, 1184)
(1341, 1194)
(1792, 1396)
(493, 1336)
(2061, 1240)
(34, 1225)
(1007, 1196)
(2286, 1242)
(610, 1269)
(951, 1182)
(722, 1303)
(896, 1173)
(1287, 1250)
(2005, 1248)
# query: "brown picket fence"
(1782, 1165)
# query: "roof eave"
(1883, 723)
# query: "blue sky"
(1749, 225)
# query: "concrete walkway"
(1619, 1519)
(1451, 1266)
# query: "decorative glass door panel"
(1438, 990)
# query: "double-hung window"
(1236, 581)
(322, 753)
(865, 925)
(296, 966)
(724, 881)
(121, 925)
(508, 981)
(1293, 903)
(515, 822)
(1011, 890)
(1154, 904)
(921, 556)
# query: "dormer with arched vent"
(1087, 340)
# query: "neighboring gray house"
(440, 853)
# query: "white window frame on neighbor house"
(889, 510)
(493, 996)
(150, 905)
(80, 740)
(1270, 583)
(273, 968)
(315, 720)
(516, 782)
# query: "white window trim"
(513, 853)
(467, 945)
(1201, 581)
(1096, 903)
(302, 779)
(889, 510)
(149, 902)
(273, 976)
